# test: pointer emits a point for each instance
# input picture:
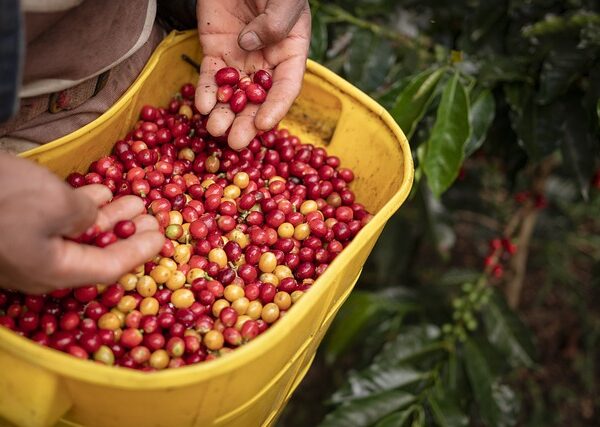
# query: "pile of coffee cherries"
(247, 234)
(238, 91)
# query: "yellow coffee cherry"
(127, 303)
(267, 262)
(182, 254)
(254, 310)
(308, 206)
(283, 300)
(241, 179)
(159, 359)
(233, 292)
(182, 298)
(169, 263)
(270, 312)
(146, 286)
(109, 321)
(218, 256)
(176, 281)
(104, 355)
(285, 230)
(149, 305)
(160, 274)
(240, 305)
(232, 192)
(128, 281)
(213, 340)
(186, 110)
(301, 232)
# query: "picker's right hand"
(39, 210)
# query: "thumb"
(272, 25)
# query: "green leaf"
(319, 38)
(498, 405)
(446, 412)
(357, 312)
(561, 67)
(365, 412)
(413, 101)
(376, 378)
(481, 116)
(507, 333)
(537, 128)
(370, 59)
(445, 148)
(390, 95)
(577, 146)
(397, 419)
(414, 341)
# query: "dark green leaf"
(445, 148)
(446, 412)
(356, 313)
(481, 116)
(577, 146)
(370, 59)
(560, 68)
(397, 419)
(376, 378)
(319, 39)
(414, 341)
(537, 128)
(507, 333)
(365, 412)
(390, 95)
(496, 403)
(413, 101)
(495, 69)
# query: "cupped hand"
(250, 35)
(39, 210)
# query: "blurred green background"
(479, 304)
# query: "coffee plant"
(500, 101)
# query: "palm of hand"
(219, 25)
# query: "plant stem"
(341, 15)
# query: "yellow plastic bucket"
(250, 386)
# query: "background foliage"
(477, 305)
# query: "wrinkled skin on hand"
(38, 210)
(251, 35)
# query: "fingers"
(80, 209)
(145, 223)
(243, 128)
(271, 26)
(125, 207)
(206, 91)
(220, 119)
(287, 83)
(98, 193)
(78, 264)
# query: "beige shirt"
(70, 41)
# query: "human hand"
(38, 210)
(251, 35)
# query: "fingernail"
(250, 41)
